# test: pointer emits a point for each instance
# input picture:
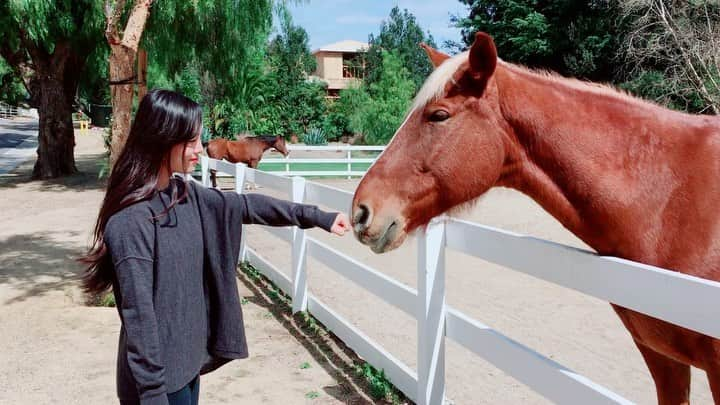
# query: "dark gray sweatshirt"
(175, 284)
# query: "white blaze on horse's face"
(449, 150)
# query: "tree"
(213, 39)
(674, 44)
(301, 102)
(572, 37)
(383, 105)
(400, 34)
(46, 44)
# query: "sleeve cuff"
(326, 219)
(160, 399)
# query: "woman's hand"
(341, 224)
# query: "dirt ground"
(57, 350)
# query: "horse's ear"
(483, 57)
(436, 57)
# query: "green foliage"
(380, 386)
(108, 300)
(382, 107)
(655, 86)
(315, 136)
(300, 103)
(575, 38)
(46, 22)
(217, 38)
(312, 395)
(12, 91)
(400, 34)
(305, 365)
(93, 87)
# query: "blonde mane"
(434, 86)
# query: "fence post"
(287, 164)
(205, 170)
(431, 314)
(349, 158)
(239, 188)
(299, 251)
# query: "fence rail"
(681, 299)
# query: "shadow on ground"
(86, 178)
(35, 264)
(339, 361)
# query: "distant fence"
(8, 111)
(347, 161)
(683, 300)
(347, 166)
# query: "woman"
(168, 249)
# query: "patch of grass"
(108, 300)
(305, 365)
(244, 301)
(312, 395)
(380, 386)
(102, 300)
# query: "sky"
(329, 21)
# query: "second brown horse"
(246, 149)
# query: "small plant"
(315, 136)
(244, 301)
(380, 387)
(312, 395)
(305, 365)
(105, 162)
(108, 300)
(102, 300)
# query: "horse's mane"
(435, 84)
(249, 136)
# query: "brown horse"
(247, 149)
(628, 177)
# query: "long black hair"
(163, 120)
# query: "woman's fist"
(341, 224)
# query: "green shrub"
(315, 136)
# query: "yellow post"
(84, 126)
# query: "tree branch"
(136, 24)
(112, 18)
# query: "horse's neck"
(588, 156)
(265, 144)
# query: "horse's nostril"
(362, 216)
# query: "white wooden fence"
(8, 111)
(677, 298)
(348, 160)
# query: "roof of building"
(343, 46)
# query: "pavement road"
(18, 143)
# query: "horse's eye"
(439, 115)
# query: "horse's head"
(280, 145)
(449, 150)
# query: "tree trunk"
(53, 87)
(122, 65)
(56, 139)
(121, 68)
